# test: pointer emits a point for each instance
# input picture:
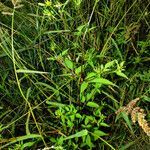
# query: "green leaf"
(90, 75)
(104, 124)
(60, 140)
(122, 64)
(69, 123)
(86, 121)
(64, 52)
(80, 28)
(146, 98)
(102, 81)
(51, 58)
(89, 96)
(88, 141)
(78, 70)
(69, 64)
(126, 118)
(21, 138)
(55, 104)
(78, 134)
(56, 31)
(30, 71)
(92, 104)
(119, 73)
(78, 116)
(27, 144)
(41, 4)
(117, 48)
(55, 90)
(72, 117)
(28, 93)
(84, 85)
(109, 64)
(124, 147)
(82, 98)
(98, 133)
(53, 140)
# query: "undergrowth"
(66, 67)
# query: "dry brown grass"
(137, 115)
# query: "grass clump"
(66, 67)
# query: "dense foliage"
(66, 67)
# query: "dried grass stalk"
(134, 114)
(137, 114)
(131, 105)
(143, 123)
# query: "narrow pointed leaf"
(78, 134)
(102, 81)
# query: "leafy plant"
(66, 67)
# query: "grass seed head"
(137, 114)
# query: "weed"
(66, 66)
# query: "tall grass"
(67, 67)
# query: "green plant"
(66, 67)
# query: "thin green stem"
(16, 75)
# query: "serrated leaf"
(92, 104)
